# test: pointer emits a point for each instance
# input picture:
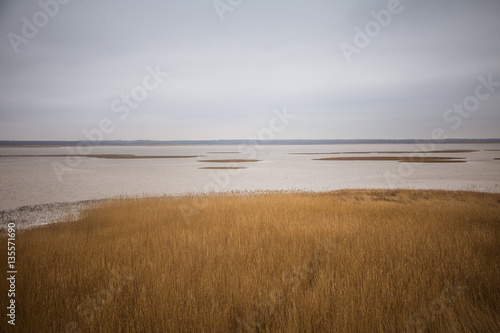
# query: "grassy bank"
(346, 261)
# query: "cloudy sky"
(230, 63)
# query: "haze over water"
(32, 180)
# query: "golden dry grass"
(346, 261)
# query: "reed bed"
(344, 261)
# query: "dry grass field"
(345, 261)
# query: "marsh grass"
(345, 261)
(395, 152)
(222, 168)
(410, 159)
(230, 161)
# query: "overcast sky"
(230, 65)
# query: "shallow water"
(33, 180)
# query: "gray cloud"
(227, 76)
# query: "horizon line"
(21, 143)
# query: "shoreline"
(38, 215)
(32, 216)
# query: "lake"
(34, 180)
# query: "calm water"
(32, 180)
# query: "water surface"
(33, 180)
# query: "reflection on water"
(32, 180)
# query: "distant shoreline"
(146, 143)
